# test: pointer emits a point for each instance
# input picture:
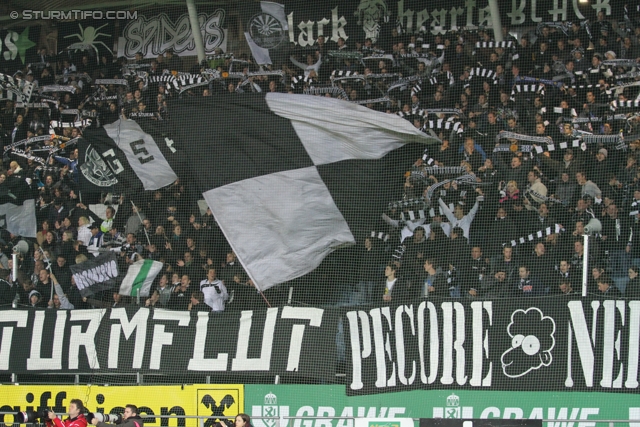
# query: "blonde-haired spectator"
(84, 232)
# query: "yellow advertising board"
(205, 400)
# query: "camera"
(112, 199)
(31, 416)
(129, 251)
(105, 418)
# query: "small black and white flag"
(19, 219)
(298, 176)
(265, 29)
(96, 274)
(17, 207)
(122, 157)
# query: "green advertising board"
(331, 401)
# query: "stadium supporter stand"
(534, 143)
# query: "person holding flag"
(215, 292)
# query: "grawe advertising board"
(331, 401)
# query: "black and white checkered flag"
(309, 145)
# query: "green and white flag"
(140, 277)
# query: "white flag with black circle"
(265, 28)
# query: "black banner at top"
(18, 47)
(355, 21)
(528, 344)
(85, 37)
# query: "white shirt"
(464, 222)
(84, 234)
(307, 68)
(215, 294)
(391, 284)
(95, 243)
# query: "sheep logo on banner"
(532, 340)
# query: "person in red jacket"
(76, 416)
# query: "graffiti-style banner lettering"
(336, 19)
(154, 35)
(147, 341)
(525, 344)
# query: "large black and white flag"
(122, 157)
(265, 28)
(291, 178)
(96, 274)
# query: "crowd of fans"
(540, 135)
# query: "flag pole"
(14, 269)
(139, 217)
(260, 292)
(265, 299)
(50, 273)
